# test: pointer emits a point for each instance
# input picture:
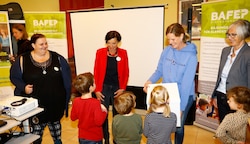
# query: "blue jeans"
(84, 141)
(108, 91)
(179, 134)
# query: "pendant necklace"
(42, 65)
(44, 69)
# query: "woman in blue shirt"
(177, 64)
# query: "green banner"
(5, 50)
(3, 17)
(50, 24)
(216, 17)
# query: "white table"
(27, 138)
(10, 124)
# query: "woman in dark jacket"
(44, 75)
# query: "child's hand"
(240, 142)
(103, 108)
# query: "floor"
(193, 134)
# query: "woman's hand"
(145, 88)
(12, 58)
(28, 89)
(99, 96)
(212, 100)
(118, 92)
(103, 108)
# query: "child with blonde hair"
(233, 127)
(160, 122)
(89, 111)
(127, 125)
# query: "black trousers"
(223, 107)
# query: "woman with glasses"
(234, 68)
(177, 64)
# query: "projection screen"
(142, 31)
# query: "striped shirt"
(158, 128)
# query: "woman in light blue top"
(177, 64)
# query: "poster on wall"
(52, 25)
(216, 17)
(5, 52)
(174, 98)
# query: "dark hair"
(21, 28)
(82, 82)
(241, 95)
(125, 102)
(113, 34)
(36, 36)
(177, 30)
(202, 102)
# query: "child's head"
(125, 102)
(203, 103)
(84, 83)
(160, 98)
(239, 98)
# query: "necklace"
(42, 65)
(112, 55)
(44, 69)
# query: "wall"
(36, 5)
(171, 8)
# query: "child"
(126, 126)
(160, 122)
(203, 107)
(89, 111)
(233, 127)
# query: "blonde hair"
(125, 102)
(159, 98)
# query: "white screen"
(142, 31)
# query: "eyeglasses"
(232, 35)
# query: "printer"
(17, 105)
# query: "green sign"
(216, 17)
(50, 24)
